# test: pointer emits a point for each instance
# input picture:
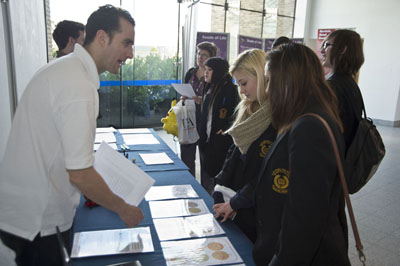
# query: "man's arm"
(91, 184)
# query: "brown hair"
(209, 47)
(346, 52)
(296, 81)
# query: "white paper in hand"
(123, 177)
(184, 89)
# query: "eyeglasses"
(203, 56)
(326, 45)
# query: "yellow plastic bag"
(170, 126)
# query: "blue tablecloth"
(99, 218)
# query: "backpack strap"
(359, 246)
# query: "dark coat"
(239, 173)
(350, 103)
(215, 148)
(299, 200)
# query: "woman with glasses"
(299, 201)
(195, 77)
(342, 53)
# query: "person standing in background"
(195, 77)
(66, 34)
(342, 53)
(48, 160)
(220, 98)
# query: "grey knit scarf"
(250, 128)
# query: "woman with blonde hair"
(252, 134)
(299, 201)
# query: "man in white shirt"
(49, 156)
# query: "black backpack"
(364, 155)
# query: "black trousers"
(41, 251)
(188, 156)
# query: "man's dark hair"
(66, 29)
(106, 18)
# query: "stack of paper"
(123, 177)
(136, 139)
(106, 137)
(156, 158)
(105, 130)
(134, 131)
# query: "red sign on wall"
(322, 33)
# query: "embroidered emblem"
(222, 113)
(281, 180)
(264, 147)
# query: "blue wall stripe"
(109, 83)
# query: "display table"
(99, 218)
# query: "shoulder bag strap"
(359, 246)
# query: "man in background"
(66, 34)
(48, 160)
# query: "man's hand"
(223, 210)
(130, 215)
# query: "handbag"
(359, 245)
(364, 155)
(186, 120)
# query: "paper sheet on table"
(123, 177)
(156, 158)
(107, 242)
(107, 137)
(112, 145)
(134, 131)
(171, 192)
(187, 227)
(203, 251)
(105, 130)
(184, 89)
(180, 207)
(137, 139)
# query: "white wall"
(378, 23)
(5, 111)
(29, 39)
(29, 44)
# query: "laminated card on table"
(171, 192)
(179, 207)
(187, 227)
(109, 242)
(202, 251)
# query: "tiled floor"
(376, 206)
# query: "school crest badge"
(222, 113)
(281, 180)
(264, 147)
